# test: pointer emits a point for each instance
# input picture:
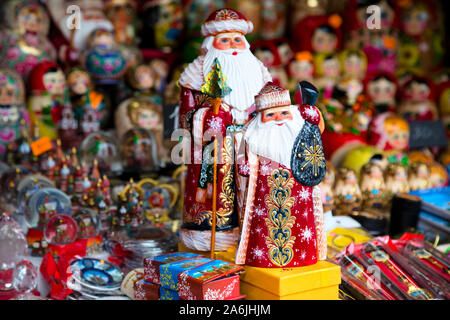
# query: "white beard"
(272, 141)
(244, 75)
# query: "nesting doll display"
(23, 38)
(103, 59)
(417, 101)
(138, 150)
(373, 188)
(347, 193)
(273, 18)
(354, 64)
(141, 113)
(327, 72)
(419, 176)
(389, 132)
(123, 16)
(142, 80)
(362, 115)
(162, 23)
(268, 53)
(396, 179)
(14, 118)
(444, 104)
(48, 94)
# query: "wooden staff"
(216, 105)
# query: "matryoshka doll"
(353, 63)
(421, 37)
(123, 16)
(23, 38)
(141, 113)
(444, 105)
(14, 118)
(47, 85)
(390, 133)
(438, 175)
(396, 179)
(301, 68)
(372, 188)
(103, 60)
(162, 23)
(362, 114)
(347, 193)
(417, 101)
(418, 177)
(381, 88)
(138, 150)
(327, 71)
(267, 52)
(273, 18)
(379, 42)
(326, 187)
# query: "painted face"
(415, 21)
(7, 95)
(30, 20)
(144, 77)
(285, 53)
(331, 67)
(353, 65)
(229, 40)
(55, 82)
(323, 42)
(79, 82)
(301, 69)
(382, 91)
(399, 139)
(105, 40)
(281, 115)
(148, 119)
(417, 91)
(266, 56)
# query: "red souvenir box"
(151, 264)
(144, 290)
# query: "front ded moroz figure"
(284, 160)
(226, 51)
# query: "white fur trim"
(192, 76)
(214, 27)
(272, 99)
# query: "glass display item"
(44, 204)
(88, 223)
(28, 186)
(101, 146)
(25, 277)
(139, 149)
(13, 245)
(60, 229)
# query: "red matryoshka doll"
(162, 23)
(421, 38)
(396, 179)
(347, 193)
(14, 118)
(353, 69)
(300, 9)
(285, 50)
(123, 16)
(141, 113)
(381, 88)
(23, 38)
(373, 188)
(103, 60)
(379, 42)
(300, 68)
(319, 34)
(327, 72)
(419, 176)
(417, 102)
(389, 131)
(267, 52)
(47, 85)
(444, 105)
(438, 175)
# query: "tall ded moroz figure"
(284, 160)
(226, 48)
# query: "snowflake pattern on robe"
(304, 194)
(311, 112)
(306, 234)
(215, 124)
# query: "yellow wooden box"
(320, 281)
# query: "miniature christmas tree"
(215, 85)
